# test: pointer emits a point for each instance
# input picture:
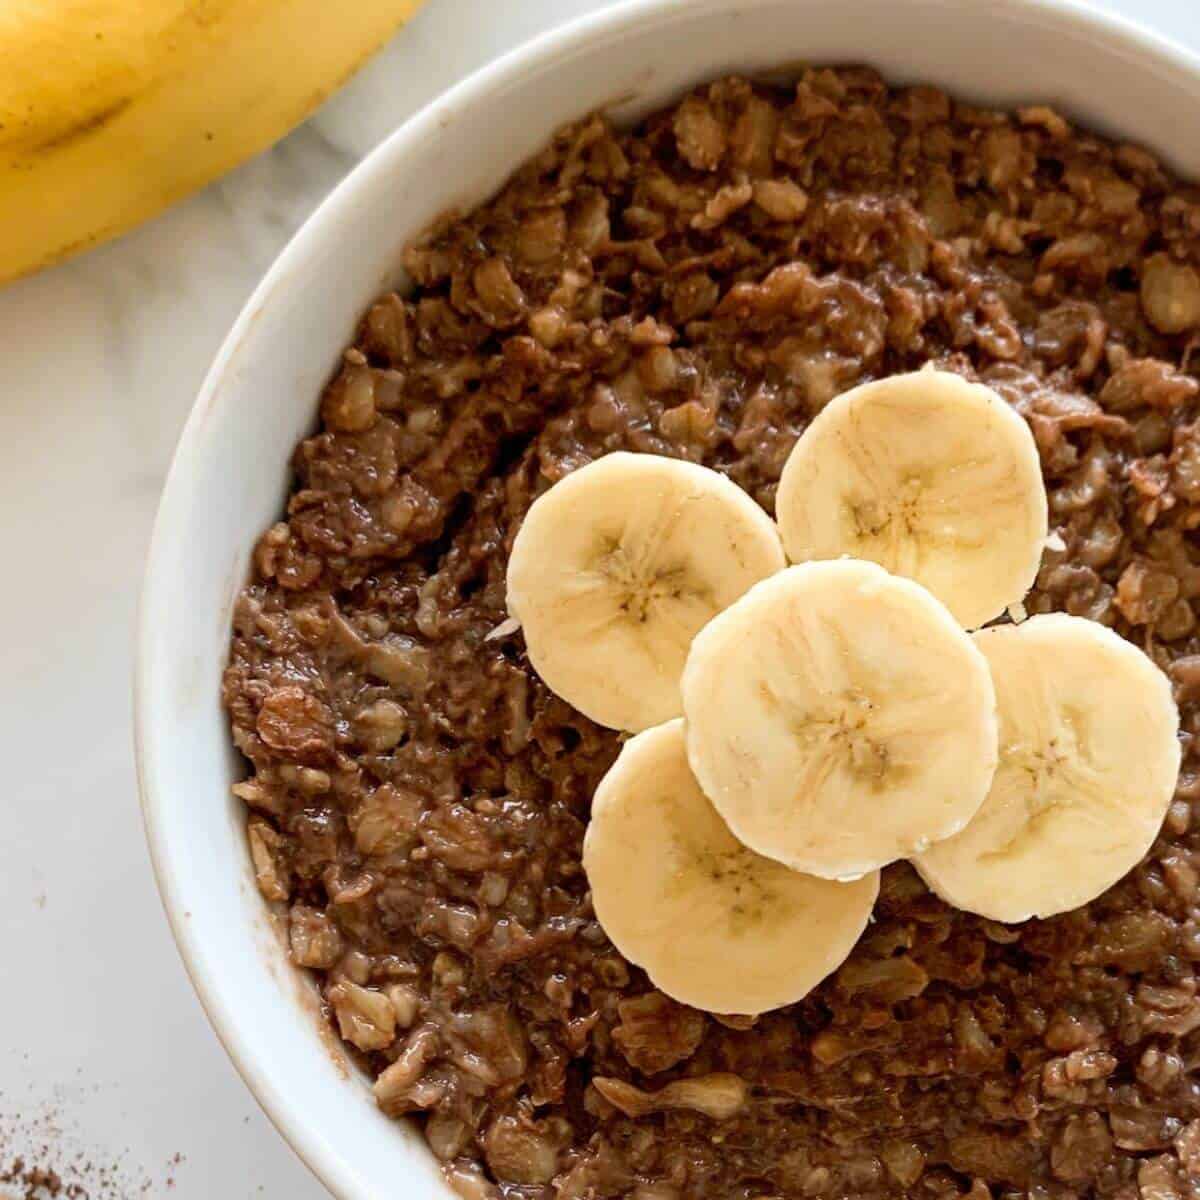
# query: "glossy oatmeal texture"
(700, 286)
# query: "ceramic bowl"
(230, 474)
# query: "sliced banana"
(839, 718)
(1089, 757)
(930, 476)
(617, 567)
(713, 924)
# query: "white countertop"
(106, 1055)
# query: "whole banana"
(110, 110)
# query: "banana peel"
(111, 110)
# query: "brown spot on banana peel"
(91, 124)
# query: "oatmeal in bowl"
(705, 287)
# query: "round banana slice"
(930, 476)
(1089, 758)
(617, 567)
(839, 719)
(713, 924)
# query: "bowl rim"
(568, 39)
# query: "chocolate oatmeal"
(701, 286)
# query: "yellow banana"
(110, 110)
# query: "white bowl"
(230, 474)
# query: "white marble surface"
(105, 1052)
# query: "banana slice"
(617, 567)
(838, 718)
(1089, 757)
(713, 924)
(930, 476)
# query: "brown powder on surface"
(44, 1156)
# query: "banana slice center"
(1056, 776)
(751, 903)
(918, 515)
(1047, 786)
(841, 732)
(875, 518)
(642, 586)
(846, 728)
